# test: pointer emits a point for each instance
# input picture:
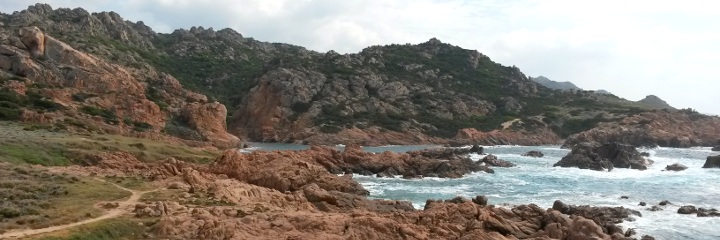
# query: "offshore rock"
(712, 162)
(603, 157)
(675, 167)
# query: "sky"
(631, 48)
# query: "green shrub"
(107, 115)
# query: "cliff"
(45, 80)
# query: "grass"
(37, 145)
(35, 198)
(118, 228)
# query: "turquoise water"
(534, 180)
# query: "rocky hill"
(431, 92)
(664, 128)
(45, 80)
(554, 84)
(655, 102)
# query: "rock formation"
(603, 157)
(89, 92)
(712, 162)
(680, 129)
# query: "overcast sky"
(630, 48)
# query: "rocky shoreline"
(311, 194)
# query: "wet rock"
(630, 232)
(492, 160)
(604, 157)
(703, 212)
(642, 204)
(480, 200)
(716, 149)
(624, 197)
(654, 209)
(687, 210)
(477, 149)
(647, 237)
(584, 156)
(534, 153)
(645, 154)
(664, 202)
(675, 167)
(712, 162)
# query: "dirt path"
(125, 207)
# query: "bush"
(107, 115)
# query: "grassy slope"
(36, 198)
(45, 147)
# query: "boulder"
(534, 153)
(477, 149)
(492, 160)
(689, 209)
(34, 40)
(480, 200)
(642, 204)
(716, 149)
(712, 162)
(664, 202)
(675, 167)
(603, 157)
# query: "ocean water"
(535, 180)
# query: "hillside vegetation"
(281, 92)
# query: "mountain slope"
(45, 80)
(394, 94)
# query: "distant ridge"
(554, 84)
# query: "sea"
(535, 180)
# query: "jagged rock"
(712, 162)
(603, 157)
(675, 167)
(687, 210)
(601, 215)
(209, 120)
(534, 153)
(492, 160)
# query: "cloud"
(631, 48)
